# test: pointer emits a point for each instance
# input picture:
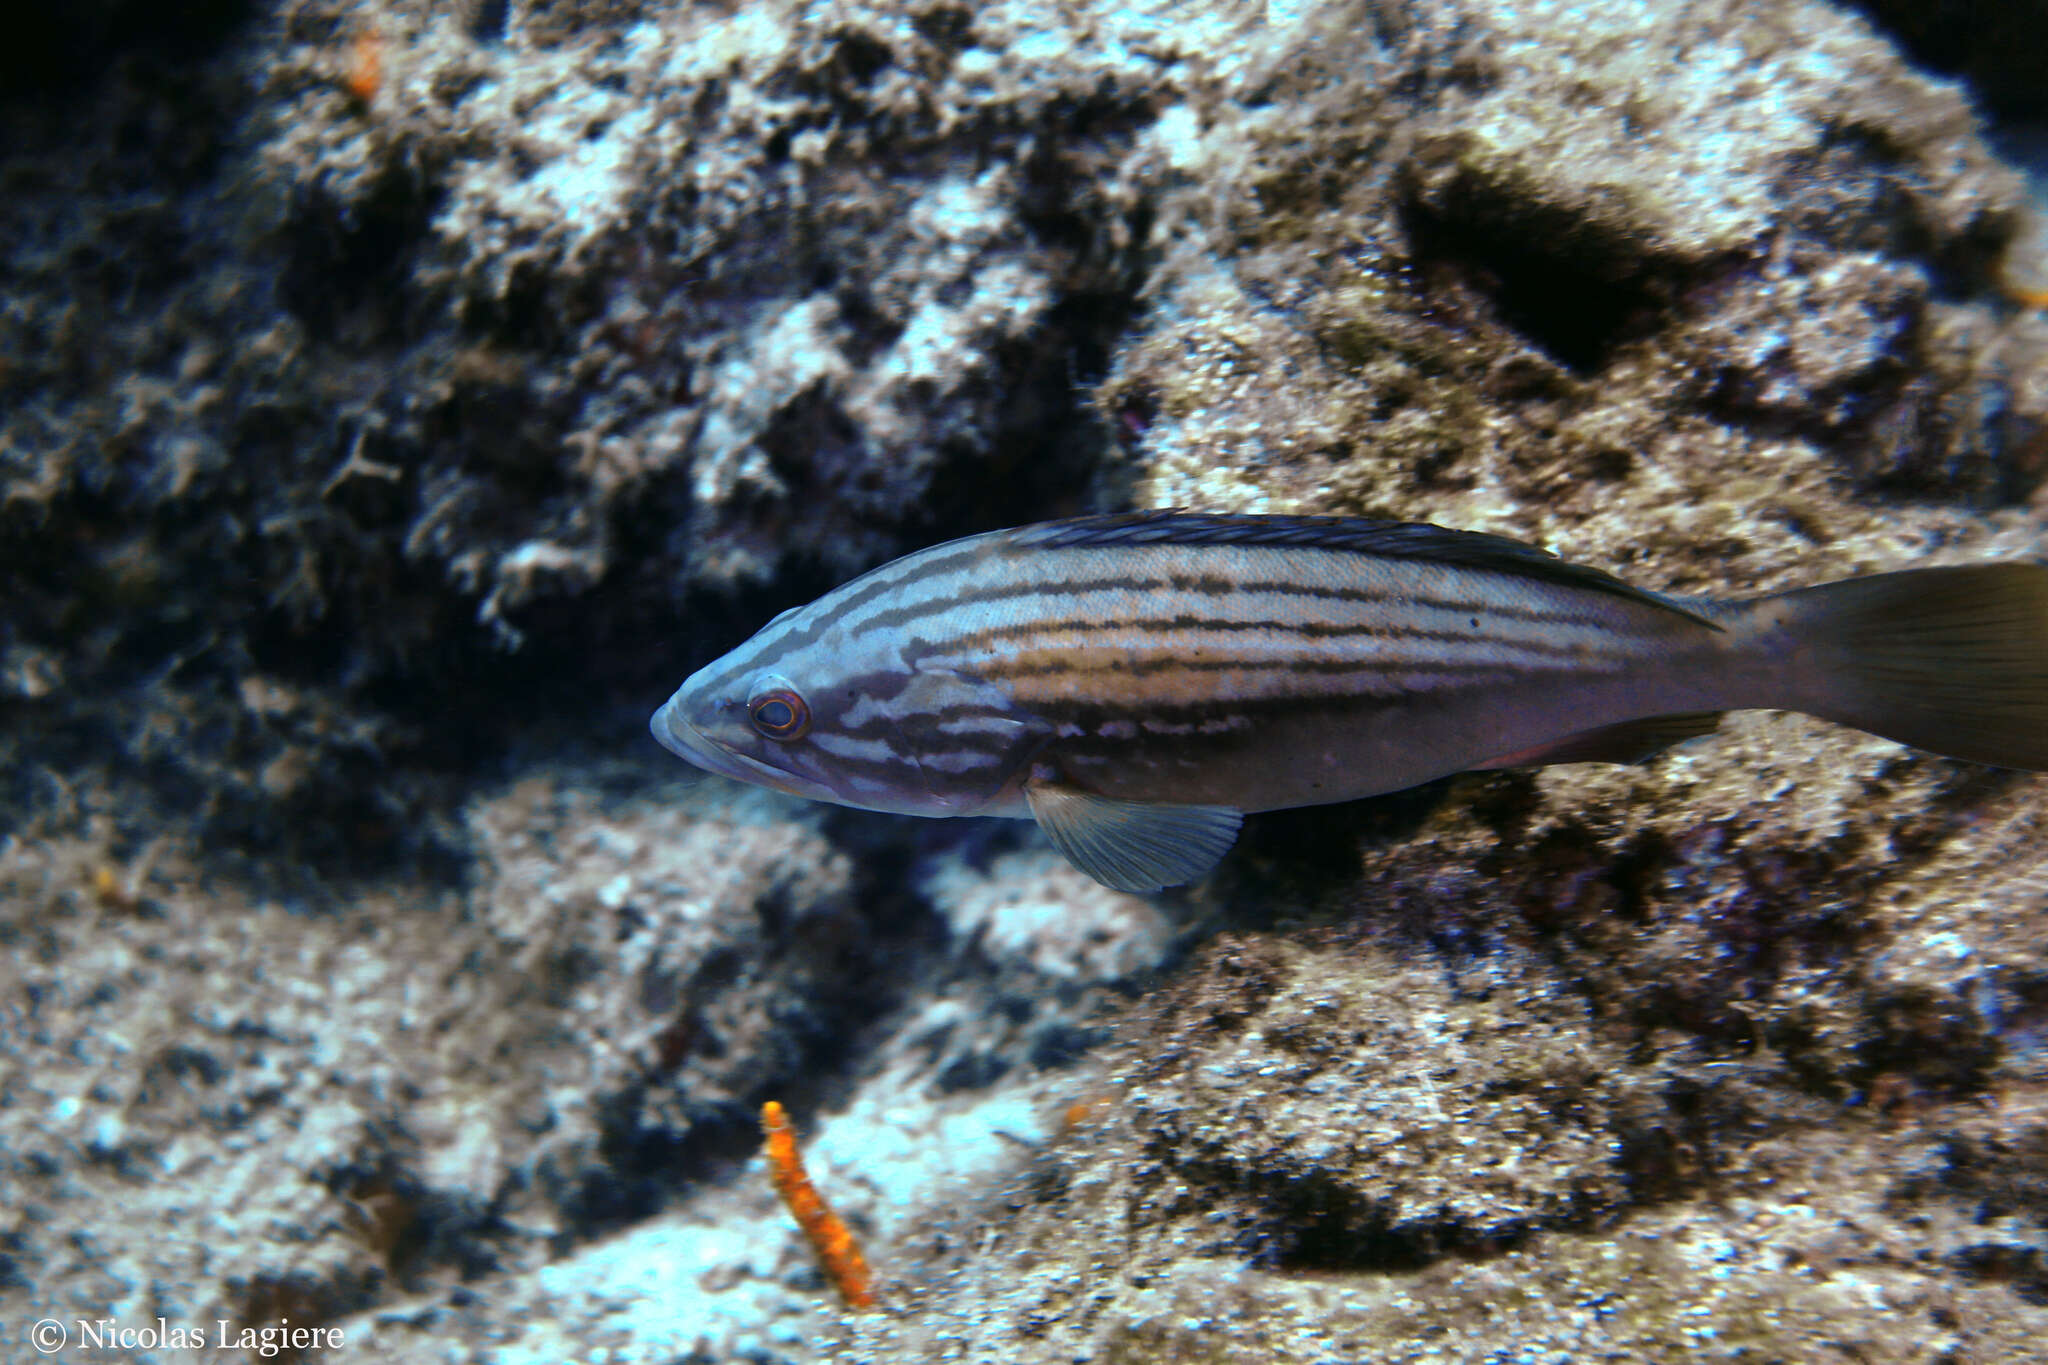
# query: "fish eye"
(778, 712)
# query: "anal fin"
(1632, 741)
(1132, 845)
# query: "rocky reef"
(397, 400)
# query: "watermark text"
(84, 1335)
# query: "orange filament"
(833, 1242)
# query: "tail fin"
(1954, 661)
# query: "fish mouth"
(693, 746)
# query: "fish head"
(806, 709)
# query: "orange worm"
(830, 1238)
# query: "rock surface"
(396, 402)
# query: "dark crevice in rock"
(2023, 1267)
(1322, 1226)
(347, 270)
(1542, 274)
(1932, 1039)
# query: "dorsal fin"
(1419, 540)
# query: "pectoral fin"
(1132, 845)
(1630, 742)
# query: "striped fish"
(1137, 683)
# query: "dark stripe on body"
(858, 596)
(1039, 551)
(1161, 638)
(1012, 669)
(1168, 625)
(900, 617)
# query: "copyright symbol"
(48, 1336)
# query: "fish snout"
(678, 736)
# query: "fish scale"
(1137, 683)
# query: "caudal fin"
(1954, 661)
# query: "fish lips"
(693, 746)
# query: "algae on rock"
(370, 447)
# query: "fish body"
(1137, 683)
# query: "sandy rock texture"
(396, 401)
(1719, 309)
(363, 344)
(507, 1115)
(1325, 1150)
(227, 1107)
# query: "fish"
(1137, 683)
